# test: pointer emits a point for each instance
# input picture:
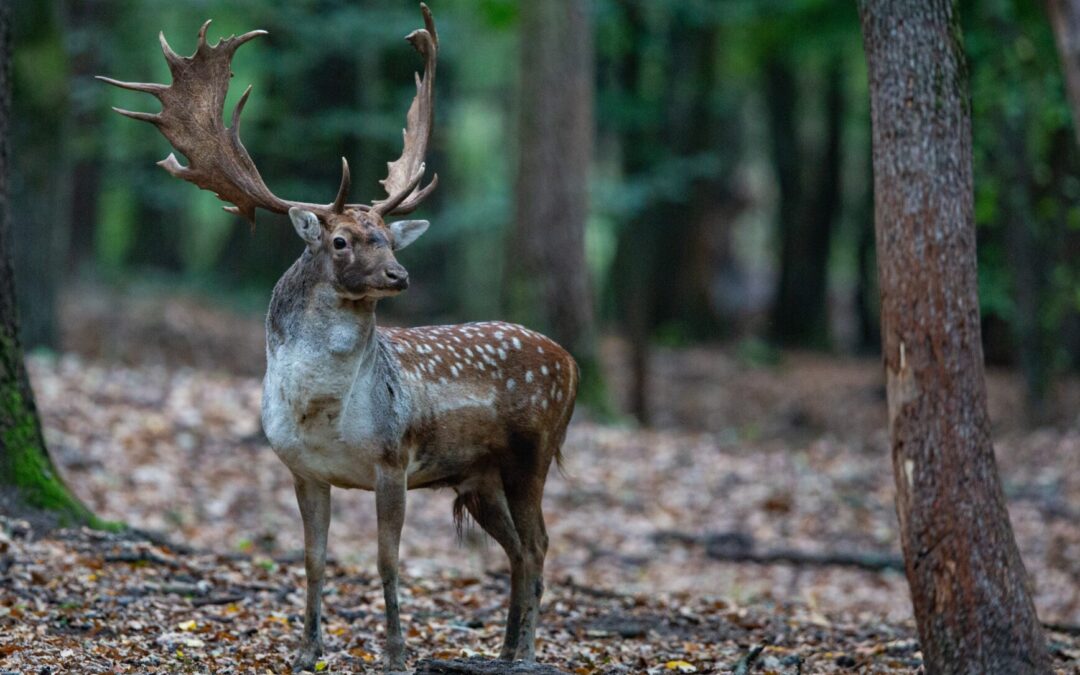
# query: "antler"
(191, 119)
(404, 174)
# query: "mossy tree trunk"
(548, 275)
(28, 479)
(968, 585)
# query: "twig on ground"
(218, 600)
(140, 556)
(739, 547)
(744, 664)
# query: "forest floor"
(750, 529)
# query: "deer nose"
(397, 275)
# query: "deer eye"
(339, 243)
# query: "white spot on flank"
(544, 404)
(544, 370)
(502, 354)
(454, 371)
(498, 335)
(431, 366)
(510, 384)
(468, 351)
(442, 380)
(517, 342)
(540, 350)
(558, 365)
(558, 395)
(528, 376)
(490, 349)
(400, 348)
(457, 339)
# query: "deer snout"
(397, 276)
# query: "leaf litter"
(792, 456)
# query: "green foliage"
(679, 118)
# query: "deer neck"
(310, 324)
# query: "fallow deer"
(481, 408)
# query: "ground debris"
(214, 582)
(476, 666)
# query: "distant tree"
(548, 274)
(1065, 19)
(809, 204)
(968, 585)
(28, 479)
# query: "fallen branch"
(744, 664)
(217, 600)
(478, 666)
(739, 547)
(1066, 628)
(140, 557)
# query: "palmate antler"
(403, 179)
(191, 119)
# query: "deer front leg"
(390, 489)
(314, 499)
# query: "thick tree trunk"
(1065, 19)
(556, 132)
(39, 179)
(28, 479)
(968, 584)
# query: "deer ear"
(307, 225)
(407, 231)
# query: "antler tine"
(405, 173)
(413, 202)
(343, 191)
(152, 118)
(170, 56)
(152, 88)
(191, 119)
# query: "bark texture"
(548, 270)
(1064, 17)
(28, 480)
(968, 584)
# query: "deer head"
(351, 242)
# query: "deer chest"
(321, 417)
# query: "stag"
(481, 408)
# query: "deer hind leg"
(486, 503)
(390, 513)
(314, 500)
(524, 495)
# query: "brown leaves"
(180, 451)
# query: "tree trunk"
(556, 132)
(968, 584)
(800, 313)
(39, 175)
(28, 480)
(1065, 19)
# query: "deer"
(481, 408)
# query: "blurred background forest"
(729, 191)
